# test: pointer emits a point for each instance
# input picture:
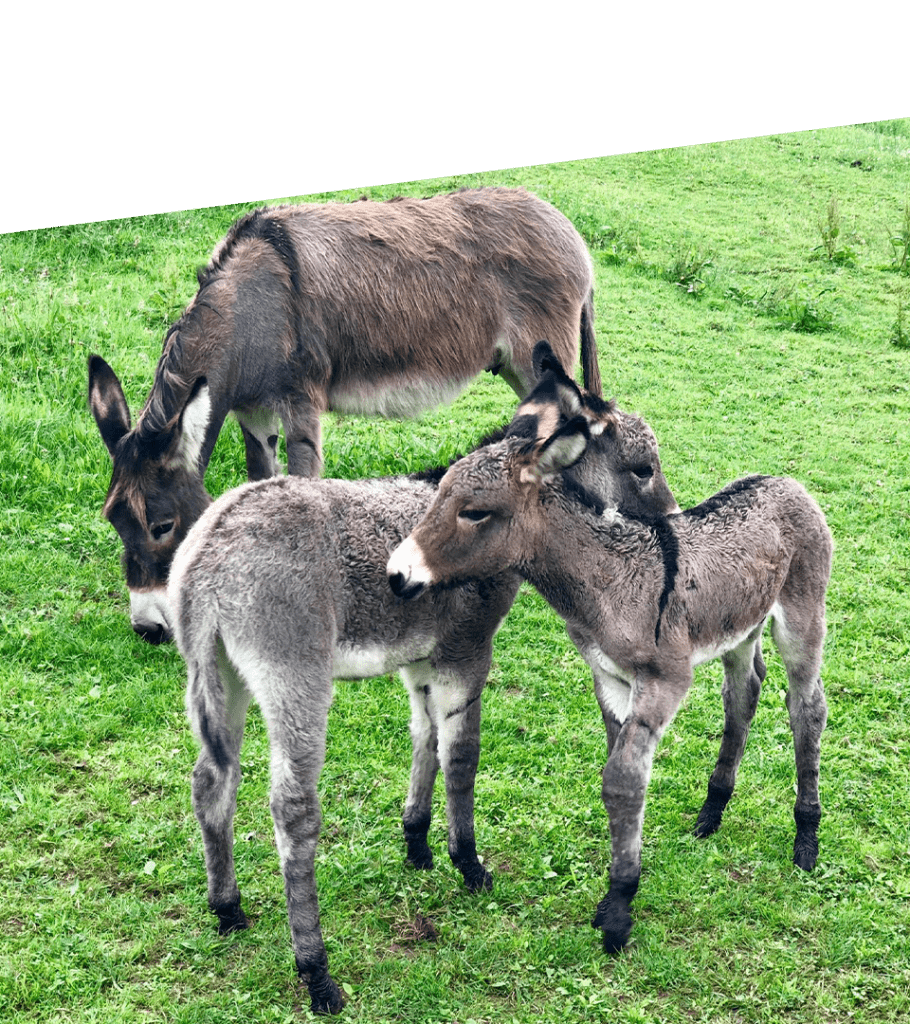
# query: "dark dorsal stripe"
(725, 496)
(669, 550)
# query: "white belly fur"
(349, 662)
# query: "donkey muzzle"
(402, 588)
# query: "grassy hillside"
(753, 302)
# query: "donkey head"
(486, 516)
(621, 463)
(156, 491)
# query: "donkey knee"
(622, 790)
(214, 790)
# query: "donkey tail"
(206, 703)
(590, 368)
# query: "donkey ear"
(193, 424)
(560, 451)
(108, 405)
(567, 391)
(544, 358)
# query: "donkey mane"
(180, 364)
(173, 381)
(726, 496)
(257, 224)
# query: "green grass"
(754, 339)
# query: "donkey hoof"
(325, 995)
(478, 879)
(805, 852)
(327, 999)
(712, 810)
(231, 918)
(706, 825)
(419, 856)
(615, 922)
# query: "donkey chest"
(612, 682)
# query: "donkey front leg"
(744, 673)
(297, 734)
(453, 701)
(303, 437)
(424, 766)
(625, 782)
(260, 437)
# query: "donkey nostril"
(153, 633)
(401, 587)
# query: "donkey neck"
(184, 359)
(580, 560)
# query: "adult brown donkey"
(386, 308)
(645, 599)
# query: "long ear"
(568, 394)
(544, 358)
(560, 451)
(108, 405)
(193, 424)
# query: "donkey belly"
(363, 661)
(396, 399)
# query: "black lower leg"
(805, 846)
(613, 916)
(325, 996)
(475, 875)
(230, 917)
(712, 810)
(419, 854)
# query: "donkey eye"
(473, 515)
(160, 530)
(643, 472)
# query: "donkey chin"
(150, 615)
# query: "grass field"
(753, 302)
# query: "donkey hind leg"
(424, 768)
(260, 436)
(799, 634)
(303, 437)
(625, 782)
(214, 786)
(453, 703)
(744, 673)
(297, 736)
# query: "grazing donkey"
(645, 600)
(364, 307)
(280, 587)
